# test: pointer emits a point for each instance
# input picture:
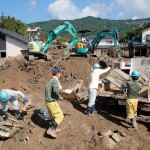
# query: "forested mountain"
(93, 24)
(127, 28)
(96, 25)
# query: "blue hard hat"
(56, 70)
(96, 65)
(4, 96)
(135, 73)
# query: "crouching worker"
(7, 95)
(133, 88)
(52, 95)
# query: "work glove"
(26, 99)
(68, 91)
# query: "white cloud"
(118, 9)
(66, 9)
(62, 9)
(133, 9)
(33, 3)
(135, 17)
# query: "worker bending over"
(93, 87)
(133, 88)
(52, 95)
(7, 95)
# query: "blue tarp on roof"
(135, 41)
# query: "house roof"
(146, 29)
(14, 35)
(33, 29)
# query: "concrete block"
(105, 132)
(108, 143)
(116, 137)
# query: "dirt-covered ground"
(79, 132)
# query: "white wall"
(14, 46)
(106, 43)
(144, 33)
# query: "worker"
(93, 87)
(52, 95)
(7, 95)
(133, 88)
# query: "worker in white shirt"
(11, 96)
(93, 87)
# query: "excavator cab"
(35, 46)
(81, 48)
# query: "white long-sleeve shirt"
(13, 94)
(94, 77)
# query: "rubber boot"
(94, 109)
(134, 125)
(5, 115)
(89, 111)
(52, 129)
(58, 129)
(18, 115)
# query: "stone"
(116, 137)
(105, 132)
(108, 143)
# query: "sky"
(29, 11)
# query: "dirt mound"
(78, 130)
(27, 76)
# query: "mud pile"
(78, 130)
(20, 74)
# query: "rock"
(105, 132)
(116, 137)
(121, 133)
(108, 143)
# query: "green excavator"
(36, 48)
(76, 48)
(88, 48)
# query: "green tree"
(10, 23)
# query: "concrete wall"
(144, 33)
(106, 43)
(14, 46)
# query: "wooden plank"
(115, 81)
(120, 96)
(76, 86)
(4, 134)
(123, 74)
(69, 97)
(112, 95)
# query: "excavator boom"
(103, 34)
(65, 26)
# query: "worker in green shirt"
(52, 95)
(133, 88)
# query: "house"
(105, 43)
(11, 43)
(146, 36)
(140, 46)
